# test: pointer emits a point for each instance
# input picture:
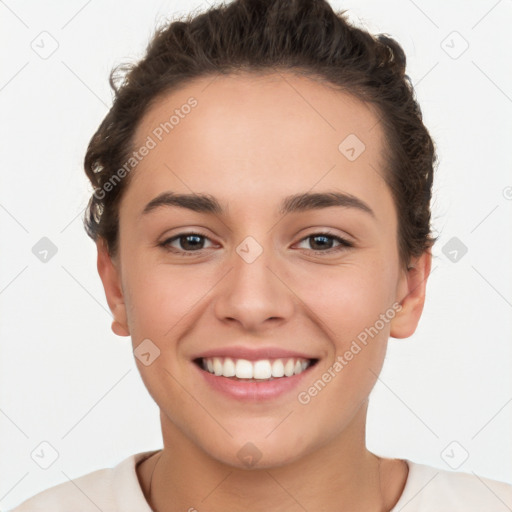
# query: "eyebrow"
(204, 203)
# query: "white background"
(68, 380)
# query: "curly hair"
(301, 36)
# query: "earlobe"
(119, 329)
(111, 279)
(411, 295)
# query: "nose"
(254, 293)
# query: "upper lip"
(253, 354)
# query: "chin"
(253, 453)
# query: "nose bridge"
(253, 292)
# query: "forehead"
(261, 135)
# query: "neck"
(341, 475)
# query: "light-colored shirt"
(117, 489)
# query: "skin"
(250, 142)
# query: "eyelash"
(344, 244)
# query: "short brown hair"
(302, 36)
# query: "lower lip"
(253, 391)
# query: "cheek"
(161, 296)
(349, 303)
(346, 298)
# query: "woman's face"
(259, 271)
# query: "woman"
(262, 218)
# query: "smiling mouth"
(261, 370)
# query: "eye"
(187, 243)
(323, 243)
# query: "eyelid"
(319, 231)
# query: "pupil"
(325, 238)
(188, 237)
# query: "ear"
(411, 295)
(111, 279)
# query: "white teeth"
(289, 367)
(229, 368)
(217, 366)
(278, 368)
(243, 369)
(263, 369)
